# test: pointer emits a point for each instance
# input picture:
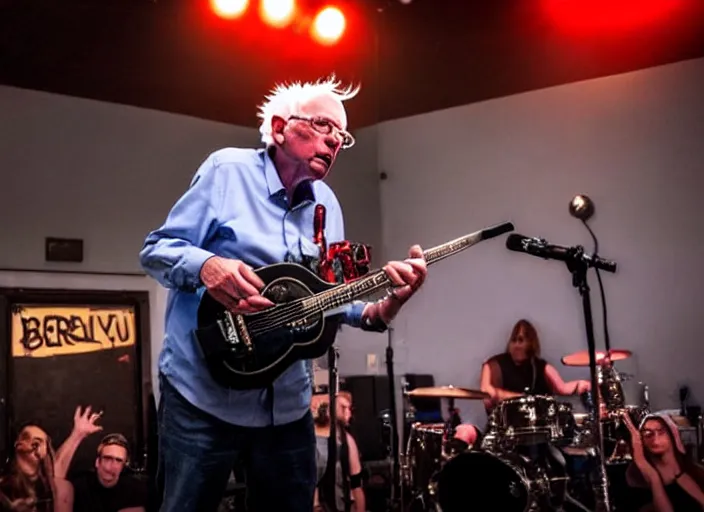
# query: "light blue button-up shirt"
(236, 207)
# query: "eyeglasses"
(326, 127)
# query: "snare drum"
(530, 419)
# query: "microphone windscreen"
(514, 242)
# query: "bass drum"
(481, 481)
(485, 482)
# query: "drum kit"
(520, 462)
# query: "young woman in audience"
(28, 483)
(661, 477)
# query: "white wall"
(634, 143)
(109, 173)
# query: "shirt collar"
(276, 187)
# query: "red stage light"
(329, 25)
(229, 8)
(277, 13)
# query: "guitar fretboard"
(366, 286)
(453, 246)
(344, 294)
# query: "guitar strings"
(266, 321)
(281, 316)
(292, 310)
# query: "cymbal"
(448, 392)
(582, 358)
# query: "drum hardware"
(427, 448)
(449, 392)
(581, 358)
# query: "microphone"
(539, 247)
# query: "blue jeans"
(197, 452)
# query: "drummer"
(517, 371)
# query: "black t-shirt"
(91, 496)
(680, 499)
(519, 377)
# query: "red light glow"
(591, 16)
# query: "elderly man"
(248, 208)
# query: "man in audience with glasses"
(109, 488)
(244, 209)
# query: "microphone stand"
(395, 497)
(578, 266)
(333, 389)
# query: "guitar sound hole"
(284, 291)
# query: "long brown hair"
(531, 336)
(20, 485)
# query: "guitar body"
(239, 355)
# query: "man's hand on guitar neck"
(234, 284)
(407, 277)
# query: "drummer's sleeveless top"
(518, 378)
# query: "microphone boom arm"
(540, 247)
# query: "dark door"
(66, 348)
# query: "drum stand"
(578, 266)
(453, 419)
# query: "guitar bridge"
(234, 331)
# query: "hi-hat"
(582, 358)
(448, 392)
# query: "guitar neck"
(378, 280)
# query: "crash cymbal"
(582, 358)
(448, 392)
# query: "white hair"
(285, 100)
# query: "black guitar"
(251, 351)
